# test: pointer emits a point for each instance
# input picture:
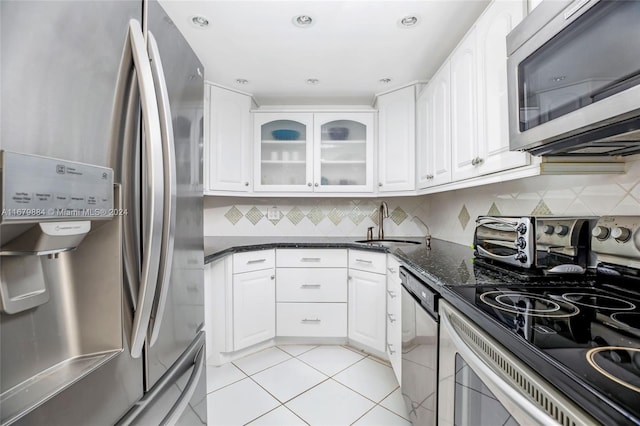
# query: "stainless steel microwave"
(574, 79)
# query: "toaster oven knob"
(600, 232)
(548, 229)
(562, 230)
(522, 228)
(522, 257)
(521, 243)
(621, 234)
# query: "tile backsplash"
(335, 217)
(449, 215)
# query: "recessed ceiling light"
(200, 21)
(385, 80)
(313, 81)
(242, 81)
(303, 21)
(409, 21)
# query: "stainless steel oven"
(481, 383)
(574, 79)
(419, 350)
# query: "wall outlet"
(273, 213)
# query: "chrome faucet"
(427, 234)
(383, 211)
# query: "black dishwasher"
(419, 349)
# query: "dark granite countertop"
(445, 263)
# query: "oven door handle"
(523, 409)
(486, 253)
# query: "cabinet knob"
(316, 184)
(273, 277)
(379, 183)
(246, 184)
(477, 161)
(429, 177)
(309, 184)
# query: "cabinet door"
(284, 152)
(254, 308)
(464, 129)
(228, 159)
(493, 125)
(367, 309)
(434, 131)
(343, 152)
(396, 140)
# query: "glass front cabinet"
(314, 152)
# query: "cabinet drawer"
(312, 319)
(311, 285)
(253, 261)
(312, 258)
(368, 261)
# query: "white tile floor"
(304, 384)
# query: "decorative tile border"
(357, 212)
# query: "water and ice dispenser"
(48, 206)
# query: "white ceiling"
(349, 48)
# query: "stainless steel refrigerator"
(112, 333)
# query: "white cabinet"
(396, 140)
(311, 293)
(464, 109)
(394, 312)
(307, 152)
(343, 152)
(254, 298)
(433, 139)
(283, 152)
(493, 115)
(367, 303)
(479, 114)
(228, 143)
(254, 307)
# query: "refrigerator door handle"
(192, 357)
(169, 219)
(181, 404)
(152, 189)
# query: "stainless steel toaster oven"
(543, 242)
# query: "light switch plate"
(273, 213)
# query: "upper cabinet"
(284, 152)
(479, 114)
(396, 140)
(433, 131)
(313, 152)
(228, 149)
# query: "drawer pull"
(364, 261)
(310, 286)
(250, 262)
(392, 294)
(310, 259)
(314, 321)
(391, 351)
(391, 318)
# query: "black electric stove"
(581, 333)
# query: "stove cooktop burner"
(620, 364)
(528, 304)
(627, 319)
(599, 301)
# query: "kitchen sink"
(389, 242)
